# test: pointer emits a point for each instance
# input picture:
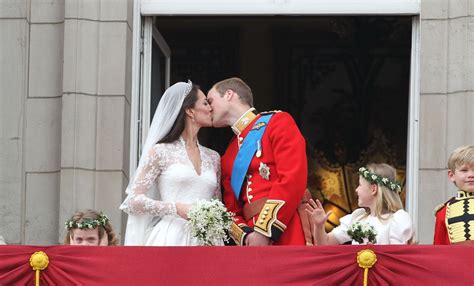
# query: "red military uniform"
(275, 181)
(454, 219)
(441, 232)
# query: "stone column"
(447, 99)
(14, 47)
(31, 75)
(96, 107)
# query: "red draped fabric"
(290, 265)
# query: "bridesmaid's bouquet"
(210, 222)
(362, 232)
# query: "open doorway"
(344, 79)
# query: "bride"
(174, 171)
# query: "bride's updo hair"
(178, 126)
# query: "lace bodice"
(167, 166)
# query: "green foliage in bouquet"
(210, 221)
(360, 231)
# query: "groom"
(264, 169)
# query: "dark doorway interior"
(345, 80)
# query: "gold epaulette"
(438, 207)
(269, 112)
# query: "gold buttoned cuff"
(267, 222)
(239, 232)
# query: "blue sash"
(246, 152)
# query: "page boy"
(455, 218)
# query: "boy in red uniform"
(264, 169)
(455, 218)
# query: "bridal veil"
(163, 120)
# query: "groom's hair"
(238, 86)
(178, 125)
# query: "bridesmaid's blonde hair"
(386, 200)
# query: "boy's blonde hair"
(463, 155)
(386, 200)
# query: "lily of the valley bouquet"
(362, 232)
(209, 222)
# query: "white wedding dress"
(169, 168)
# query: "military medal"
(259, 149)
(259, 125)
(264, 171)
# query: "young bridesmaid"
(381, 210)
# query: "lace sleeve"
(138, 202)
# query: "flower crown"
(377, 179)
(102, 220)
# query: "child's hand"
(317, 215)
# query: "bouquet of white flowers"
(209, 222)
(362, 232)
